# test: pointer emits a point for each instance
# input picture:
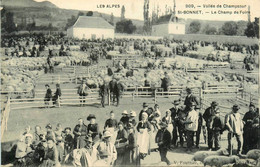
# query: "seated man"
(107, 150)
(24, 150)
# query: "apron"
(143, 141)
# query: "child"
(68, 141)
(132, 146)
(217, 127)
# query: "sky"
(134, 8)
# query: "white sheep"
(245, 163)
(253, 154)
(201, 155)
(219, 161)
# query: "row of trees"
(240, 28)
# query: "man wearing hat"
(235, 126)
(191, 125)
(57, 94)
(190, 98)
(112, 85)
(145, 109)
(249, 136)
(174, 114)
(23, 149)
(118, 90)
(208, 116)
(104, 88)
(217, 128)
(89, 154)
(50, 133)
(163, 139)
(48, 95)
(107, 150)
(132, 118)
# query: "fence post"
(155, 93)
(250, 97)
(74, 69)
(59, 79)
(76, 80)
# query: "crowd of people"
(129, 140)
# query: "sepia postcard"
(89, 83)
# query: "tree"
(125, 26)
(252, 29)
(8, 21)
(71, 21)
(81, 14)
(209, 30)
(90, 13)
(229, 28)
(241, 25)
(123, 13)
(194, 27)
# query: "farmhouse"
(168, 25)
(88, 27)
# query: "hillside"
(44, 13)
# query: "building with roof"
(89, 27)
(168, 25)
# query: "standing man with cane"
(235, 128)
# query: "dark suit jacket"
(190, 99)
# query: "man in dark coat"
(117, 91)
(103, 93)
(80, 133)
(174, 111)
(145, 109)
(190, 98)
(165, 82)
(48, 94)
(112, 85)
(57, 94)
(163, 138)
(208, 117)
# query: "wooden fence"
(70, 96)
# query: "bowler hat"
(251, 105)
(89, 139)
(188, 90)
(214, 103)
(49, 126)
(145, 105)
(91, 116)
(47, 85)
(176, 102)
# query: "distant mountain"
(27, 3)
